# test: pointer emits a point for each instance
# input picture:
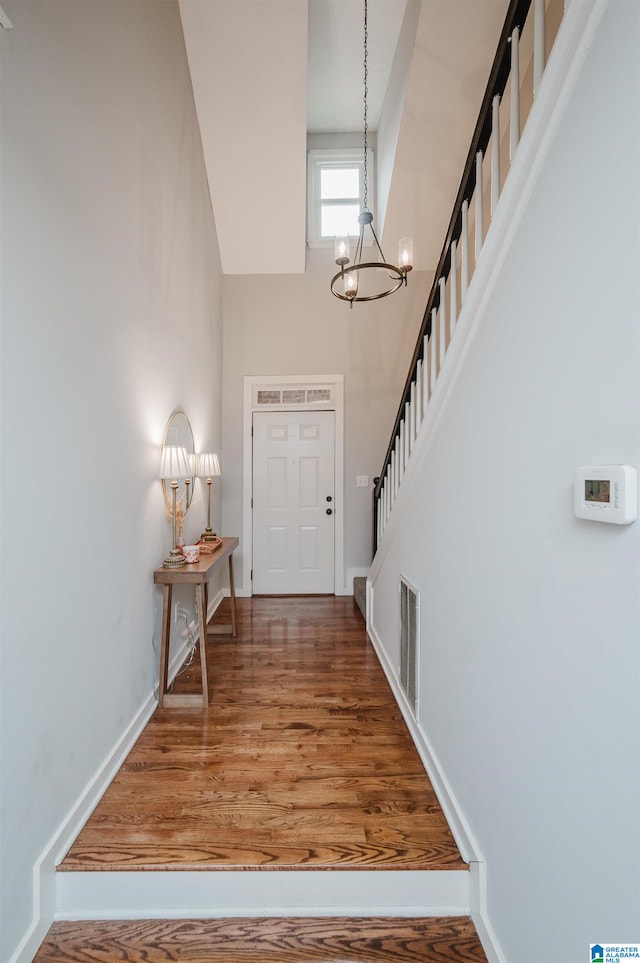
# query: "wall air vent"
(409, 621)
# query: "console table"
(197, 574)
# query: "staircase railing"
(478, 194)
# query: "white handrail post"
(538, 44)
(408, 419)
(414, 414)
(405, 441)
(387, 485)
(464, 252)
(414, 411)
(495, 153)
(514, 118)
(453, 308)
(408, 440)
(443, 322)
(425, 377)
(479, 206)
(432, 348)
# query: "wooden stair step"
(266, 940)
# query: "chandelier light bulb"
(342, 249)
(405, 254)
(351, 285)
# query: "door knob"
(329, 498)
(329, 511)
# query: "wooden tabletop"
(193, 573)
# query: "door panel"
(309, 477)
(309, 548)
(293, 485)
(277, 548)
(277, 482)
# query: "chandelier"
(349, 275)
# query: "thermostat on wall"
(607, 493)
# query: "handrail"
(498, 78)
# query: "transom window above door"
(293, 396)
(336, 192)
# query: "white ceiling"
(265, 72)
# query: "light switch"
(362, 481)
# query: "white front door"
(293, 502)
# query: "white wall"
(111, 317)
(293, 325)
(530, 618)
(392, 111)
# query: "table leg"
(164, 646)
(201, 606)
(220, 628)
(232, 593)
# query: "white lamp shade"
(208, 465)
(174, 462)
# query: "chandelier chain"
(366, 126)
(350, 272)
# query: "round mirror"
(178, 432)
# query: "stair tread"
(266, 940)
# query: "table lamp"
(174, 465)
(209, 468)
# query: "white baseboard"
(44, 870)
(457, 822)
(480, 915)
(455, 817)
(206, 894)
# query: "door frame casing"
(337, 383)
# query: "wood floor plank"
(301, 760)
(440, 940)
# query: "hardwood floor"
(437, 940)
(302, 760)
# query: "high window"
(336, 193)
